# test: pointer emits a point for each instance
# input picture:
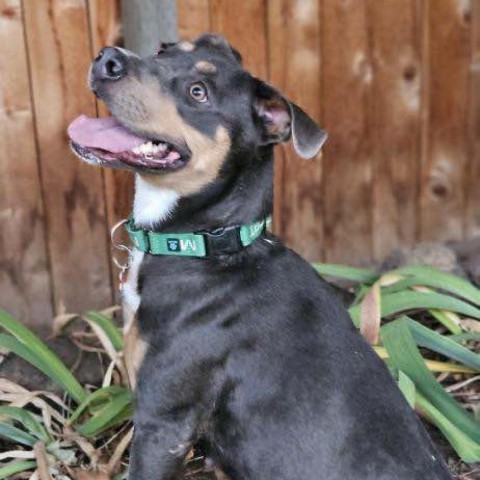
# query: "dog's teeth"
(148, 148)
(144, 148)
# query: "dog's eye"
(198, 92)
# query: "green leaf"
(111, 330)
(405, 301)
(465, 337)
(407, 387)
(427, 338)
(16, 435)
(115, 412)
(400, 286)
(404, 354)
(466, 447)
(431, 277)
(361, 275)
(37, 353)
(15, 467)
(28, 421)
(102, 396)
(445, 318)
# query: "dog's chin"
(129, 159)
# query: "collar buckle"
(223, 240)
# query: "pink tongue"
(104, 133)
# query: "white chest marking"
(152, 204)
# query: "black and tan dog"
(245, 346)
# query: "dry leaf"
(86, 475)
(470, 325)
(370, 315)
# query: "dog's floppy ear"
(281, 119)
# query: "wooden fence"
(395, 83)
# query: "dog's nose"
(110, 64)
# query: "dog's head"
(183, 113)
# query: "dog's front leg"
(160, 444)
(166, 416)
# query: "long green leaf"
(28, 421)
(431, 277)
(445, 318)
(15, 467)
(465, 337)
(407, 387)
(107, 416)
(104, 395)
(13, 345)
(361, 275)
(110, 329)
(16, 435)
(404, 354)
(57, 371)
(467, 448)
(427, 338)
(405, 301)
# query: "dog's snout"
(110, 64)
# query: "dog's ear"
(281, 119)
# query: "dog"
(242, 344)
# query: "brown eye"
(198, 92)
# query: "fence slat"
(193, 18)
(105, 27)
(347, 80)
(396, 44)
(447, 55)
(294, 59)
(243, 24)
(473, 200)
(59, 52)
(25, 288)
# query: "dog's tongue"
(104, 133)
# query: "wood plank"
(347, 162)
(396, 123)
(294, 60)
(59, 52)
(193, 18)
(473, 192)
(105, 26)
(447, 55)
(25, 289)
(243, 25)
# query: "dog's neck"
(237, 198)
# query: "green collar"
(199, 244)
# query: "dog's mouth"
(104, 141)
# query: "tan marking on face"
(143, 107)
(186, 46)
(207, 158)
(205, 67)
